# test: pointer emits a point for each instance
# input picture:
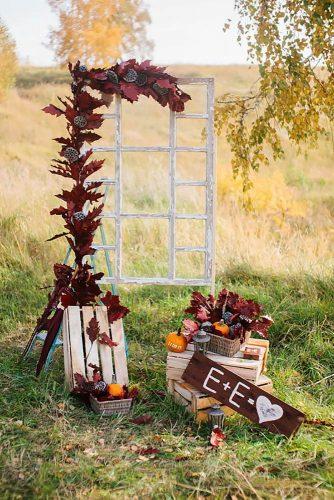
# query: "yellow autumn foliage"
(99, 31)
(8, 61)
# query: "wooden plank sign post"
(242, 396)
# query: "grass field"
(281, 254)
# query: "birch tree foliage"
(291, 42)
(8, 60)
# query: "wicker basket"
(224, 346)
(105, 408)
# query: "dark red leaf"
(93, 329)
(56, 236)
(105, 339)
(148, 451)
(142, 420)
(53, 110)
(114, 307)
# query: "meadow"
(280, 254)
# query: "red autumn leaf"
(103, 338)
(115, 309)
(217, 437)
(142, 420)
(53, 110)
(148, 451)
(130, 91)
(90, 137)
(56, 236)
(93, 330)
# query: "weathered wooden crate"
(79, 352)
(249, 369)
(198, 403)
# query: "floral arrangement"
(228, 315)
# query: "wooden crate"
(198, 403)
(247, 368)
(77, 346)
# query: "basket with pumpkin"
(105, 399)
(229, 319)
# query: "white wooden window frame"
(172, 216)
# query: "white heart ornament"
(267, 411)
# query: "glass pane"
(145, 123)
(191, 132)
(190, 232)
(145, 182)
(145, 247)
(190, 199)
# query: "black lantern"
(216, 416)
(201, 341)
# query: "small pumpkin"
(176, 341)
(115, 390)
(221, 329)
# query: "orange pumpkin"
(176, 341)
(115, 390)
(221, 329)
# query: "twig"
(317, 382)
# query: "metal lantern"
(216, 416)
(201, 341)
(207, 326)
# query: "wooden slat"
(121, 368)
(91, 349)
(67, 353)
(76, 341)
(105, 351)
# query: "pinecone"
(112, 76)
(88, 386)
(80, 121)
(79, 216)
(227, 316)
(130, 76)
(83, 68)
(159, 90)
(141, 79)
(100, 386)
(74, 87)
(71, 154)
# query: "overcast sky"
(183, 31)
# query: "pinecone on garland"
(159, 90)
(74, 87)
(79, 216)
(80, 121)
(71, 154)
(112, 76)
(131, 76)
(83, 68)
(141, 79)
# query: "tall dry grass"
(289, 230)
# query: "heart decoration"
(267, 411)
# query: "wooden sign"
(242, 396)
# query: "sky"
(183, 31)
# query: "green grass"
(53, 446)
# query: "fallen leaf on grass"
(217, 437)
(142, 420)
(148, 451)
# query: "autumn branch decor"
(80, 287)
(229, 320)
